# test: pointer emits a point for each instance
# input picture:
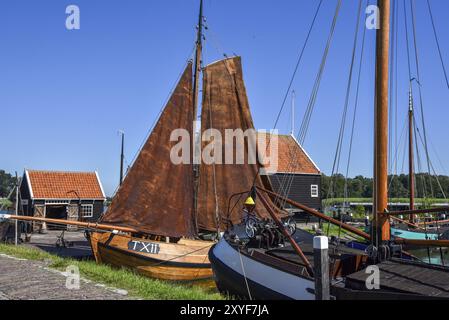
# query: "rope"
(157, 117)
(244, 275)
(306, 120)
(298, 62)
(423, 122)
(402, 138)
(312, 99)
(433, 169)
(338, 151)
(438, 43)
(355, 110)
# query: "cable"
(423, 122)
(438, 42)
(244, 275)
(355, 109)
(312, 100)
(338, 151)
(157, 117)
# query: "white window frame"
(314, 191)
(57, 202)
(91, 206)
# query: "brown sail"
(156, 195)
(225, 106)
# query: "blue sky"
(65, 94)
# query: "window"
(314, 191)
(87, 210)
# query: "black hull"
(233, 284)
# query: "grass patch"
(336, 231)
(136, 285)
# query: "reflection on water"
(435, 255)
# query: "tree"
(361, 187)
(7, 183)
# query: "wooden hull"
(186, 260)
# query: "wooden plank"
(406, 277)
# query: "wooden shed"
(61, 195)
(296, 176)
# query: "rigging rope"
(158, 115)
(298, 62)
(301, 54)
(355, 110)
(423, 122)
(244, 275)
(306, 120)
(438, 42)
(312, 100)
(338, 151)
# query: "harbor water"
(433, 255)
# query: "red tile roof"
(291, 157)
(64, 185)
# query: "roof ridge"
(60, 171)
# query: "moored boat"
(186, 260)
(179, 207)
(267, 263)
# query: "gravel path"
(22, 279)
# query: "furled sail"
(156, 195)
(225, 106)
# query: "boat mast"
(381, 122)
(196, 83)
(293, 112)
(122, 156)
(411, 156)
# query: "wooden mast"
(122, 156)
(381, 122)
(411, 156)
(196, 83)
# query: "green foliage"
(359, 212)
(5, 203)
(7, 183)
(361, 187)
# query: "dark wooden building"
(296, 176)
(61, 195)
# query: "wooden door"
(39, 212)
(72, 215)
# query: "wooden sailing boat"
(177, 208)
(260, 268)
(165, 216)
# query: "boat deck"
(407, 278)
